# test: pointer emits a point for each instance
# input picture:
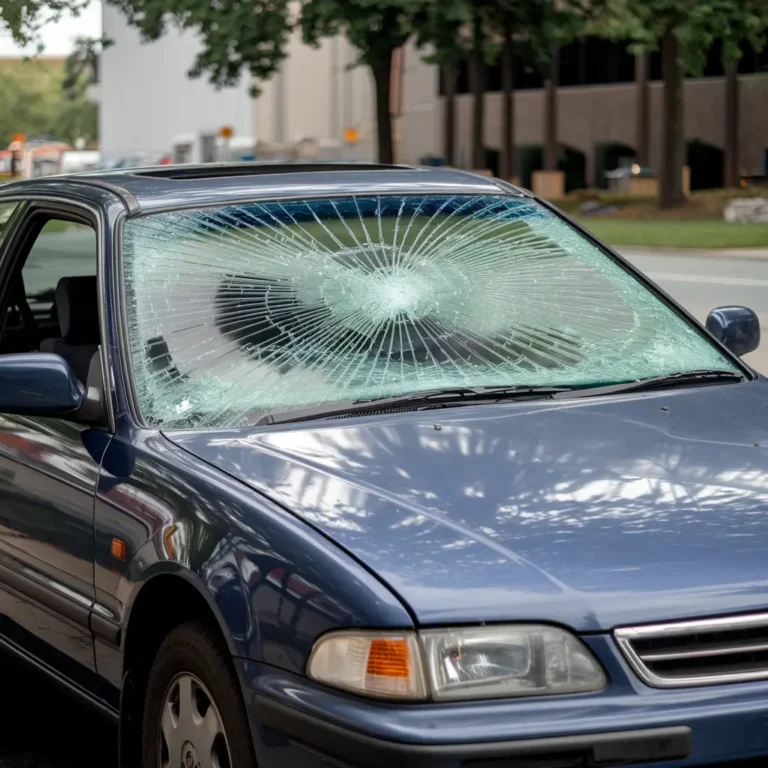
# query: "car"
(357, 465)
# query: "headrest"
(77, 307)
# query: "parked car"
(307, 465)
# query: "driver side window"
(54, 300)
(63, 249)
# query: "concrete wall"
(147, 99)
(595, 114)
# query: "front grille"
(706, 652)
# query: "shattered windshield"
(238, 311)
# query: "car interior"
(53, 302)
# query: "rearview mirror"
(737, 328)
(39, 384)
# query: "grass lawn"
(678, 234)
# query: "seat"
(77, 308)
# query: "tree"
(33, 102)
(376, 28)
(236, 35)
(25, 18)
(28, 99)
(683, 30)
(456, 30)
(477, 82)
(75, 118)
(535, 29)
(748, 22)
(82, 65)
(439, 26)
(76, 115)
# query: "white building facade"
(147, 102)
(149, 106)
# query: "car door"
(48, 476)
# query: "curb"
(758, 254)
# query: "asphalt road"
(41, 728)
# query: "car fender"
(146, 566)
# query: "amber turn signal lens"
(118, 549)
(388, 658)
(380, 664)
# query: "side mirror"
(38, 384)
(737, 328)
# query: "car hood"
(592, 513)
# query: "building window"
(596, 61)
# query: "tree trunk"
(478, 97)
(731, 174)
(382, 78)
(551, 150)
(449, 126)
(396, 102)
(643, 132)
(673, 129)
(507, 170)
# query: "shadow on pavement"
(42, 727)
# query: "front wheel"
(193, 712)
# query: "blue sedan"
(348, 465)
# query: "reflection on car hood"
(591, 513)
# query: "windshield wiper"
(657, 382)
(431, 398)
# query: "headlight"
(482, 663)
(470, 663)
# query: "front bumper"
(299, 725)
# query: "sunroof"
(213, 171)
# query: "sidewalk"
(760, 254)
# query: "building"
(598, 105)
(148, 105)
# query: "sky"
(58, 38)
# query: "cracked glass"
(239, 311)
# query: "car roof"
(182, 186)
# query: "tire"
(190, 665)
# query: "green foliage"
(733, 21)
(442, 26)
(28, 97)
(33, 102)
(24, 18)
(73, 119)
(695, 23)
(538, 26)
(374, 27)
(81, 66)
(236, 35)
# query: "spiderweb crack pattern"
(241, 310)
